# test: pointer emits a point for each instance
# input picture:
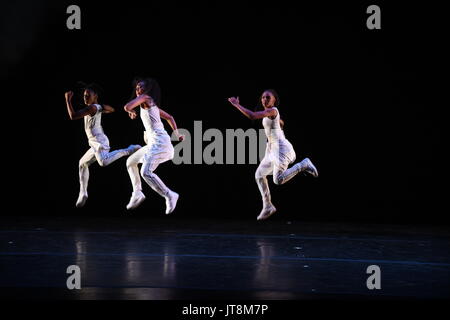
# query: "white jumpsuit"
(279, 154)
(99, 150)
(159, 149)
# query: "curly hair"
(94, 87)
(151, 87)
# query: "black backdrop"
(362, 104)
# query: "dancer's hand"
(234, 101)
(179, 136)
(68, 95)
(132, 114)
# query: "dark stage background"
(362, 104)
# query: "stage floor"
(169, 258)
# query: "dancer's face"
(140, 88)
(89, 97)
(267, 99)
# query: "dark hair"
(276, 104)
(79, 89)
(275, 94)
(151, 87)
(94, 87)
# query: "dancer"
(98, 141)
(279, 151)
(159, 147)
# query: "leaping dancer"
(99, 143)
(159, 147)
(279, 151)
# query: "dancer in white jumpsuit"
(279, 151)
(159, 147)
(98, 141)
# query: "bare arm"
(107, 108)
(251, 114)
(171, 122)
(130, 106)
(137, 102)
(74, 115)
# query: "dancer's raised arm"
(130, 106)
(74, 115)
(143, 98)
(252, 115)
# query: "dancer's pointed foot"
(310, 168)
(137, 197)
(266, 212)
(171, 201)
(81, 201)
(133, 148)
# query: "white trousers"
(276, 162)
(158, 151)
(102, 156)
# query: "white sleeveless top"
(94, 131)
(278, 148)
(272, 128)
(93, 124)
(152, 122)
